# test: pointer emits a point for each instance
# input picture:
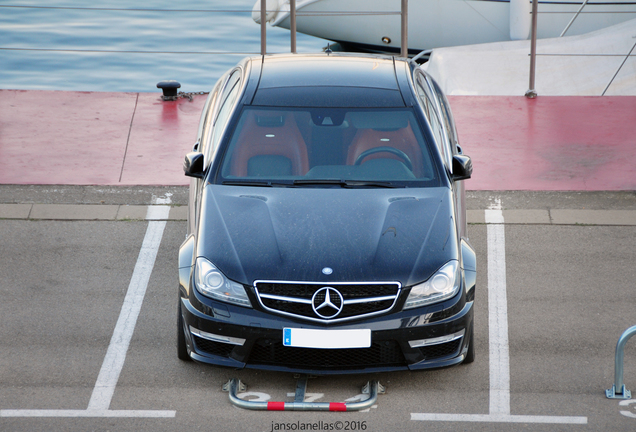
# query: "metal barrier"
(618, 390)
(371, 388)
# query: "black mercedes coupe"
(327, 225)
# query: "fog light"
(386, 40)
(436, 341)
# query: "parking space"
(568, 295)
(568, 305)
(62, 287)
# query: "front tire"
(470, 354)
(182, 346)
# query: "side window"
(447, 116)
(430, 110)
(208, 112)
(446, 142)
(227, 102)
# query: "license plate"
(326, 339)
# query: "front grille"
(211, 347)
(266, 352)
(301, 300)
(441, 350)
(306, 290)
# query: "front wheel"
(182, 346)
(470, 355)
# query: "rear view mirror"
(193, 165)
(462, 167)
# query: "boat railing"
(580, 11)
(293, 14)
(531, 92)
(576, 15)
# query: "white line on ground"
(498, 339)
(490, 418)
(86, 413)
(116, 353)
(498, 313)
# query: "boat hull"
(443, 23)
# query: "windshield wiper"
(257, 183)
(345, 183)
(311, 182)
(362, 183)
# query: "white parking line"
(499, 408)
(499, 418)
(119, 342)
(104, 389)
(498, 313)
(86, 413)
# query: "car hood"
(292, 234)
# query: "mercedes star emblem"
(327, 302)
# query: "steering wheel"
(384, 149)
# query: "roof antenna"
(328, 50)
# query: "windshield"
(327, 147)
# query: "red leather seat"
(402, 139)
(270, 133)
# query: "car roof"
(328, 80)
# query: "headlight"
(441, 286)
(212, 283)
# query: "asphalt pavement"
(554, 292)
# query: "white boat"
(441, 23)
(592, 64)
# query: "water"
(55, 45)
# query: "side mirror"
(462, 167)
(193, 165)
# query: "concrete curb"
(90, 212)
(106, 212)
(559, 217)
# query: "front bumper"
(226, 335)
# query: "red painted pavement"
(75, 138)
(547, 143)
(571, 143)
